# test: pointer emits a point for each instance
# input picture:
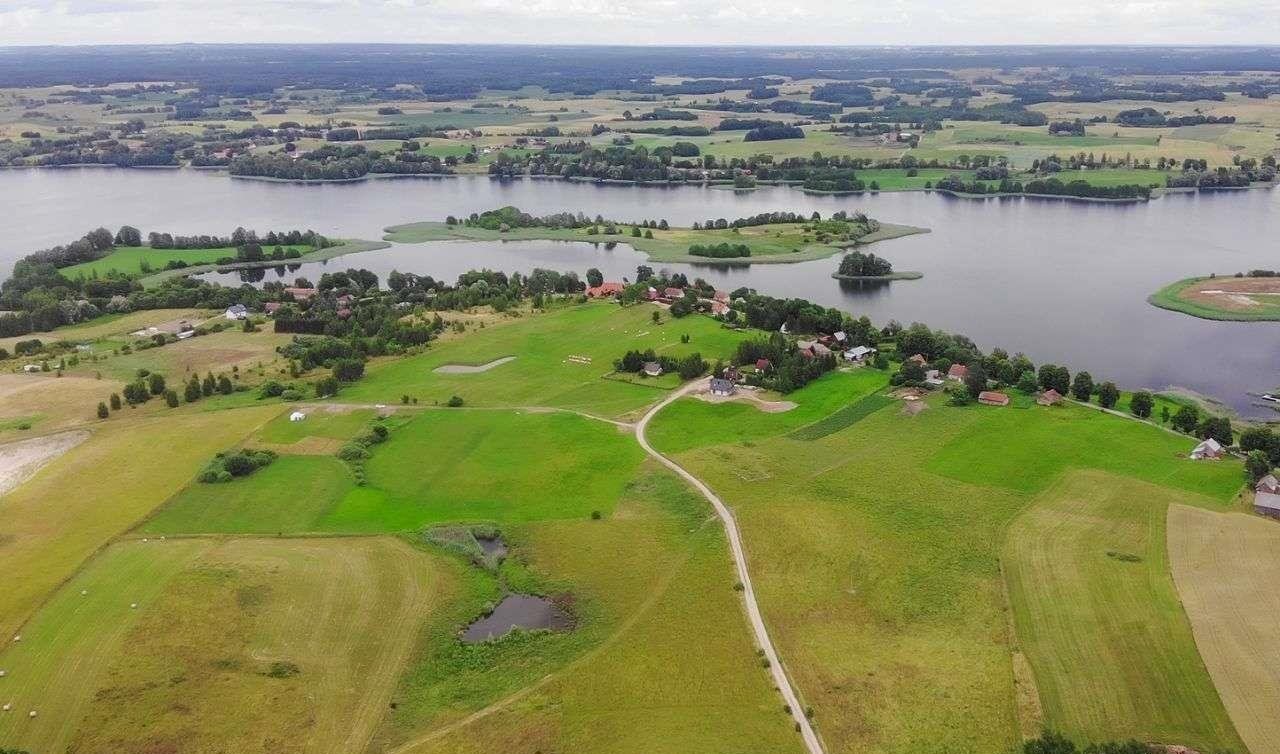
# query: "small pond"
(525, 611)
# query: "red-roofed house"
(673, 293)
(992, 398)
(919, 359)
(721, 296)
(763, 365)
(604, 289)
(1049, 397)
(958, 372)
(300, 294)
(271, 307)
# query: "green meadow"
(877, 550)
(128, 260)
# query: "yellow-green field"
(1222, 565)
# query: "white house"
(1210, 448)
(297, 416)
(858, 354)
(237, 311)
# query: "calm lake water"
(1061, 281)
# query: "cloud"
(884, 22)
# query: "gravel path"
(740, 562)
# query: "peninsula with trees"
(766, 238)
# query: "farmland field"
(1222, 564)
(279, 645)
(129, 260)
(876, 552)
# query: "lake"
(1061, 281)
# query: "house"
(992, 398)
(721, 296)
(958, 372)
(672, 293)
(840, 336)
(345, 300)
(651, 294)
(343, 313)
(297, 416)
(1209, 449)
(301, 294)
(933, 377)
(732, 374)
(271, 307)
(32, 368)
(1266, 496)
(1049, 397)
(820, 350)
(719, 308)
(720, 386)
(604, 289)
(763, 365)
(859, 354)
(919, 359)
(652, 369)
(236, 311)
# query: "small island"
(771, 237)
(857, 266)
(1243, 297)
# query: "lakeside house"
(721, 386)
(671, 294)
(1266, 496)
(721, 296)
(301, 294)
(651, 294)
(859, 354)
(1049, 397)
(958, 372)
(652, 369)
(605, 289)
(236, 311)
(919, 359)
(992, 398)
(719, 308)
(1209, 449)
(811, 348)
(933, 378)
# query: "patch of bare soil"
(20, 460)
(1233, 294)
(748, 396)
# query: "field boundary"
(842, 418)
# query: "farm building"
(1266, 496)
(297, 416)
(652, 369)
(673, 293)
(1209, 449)
(236, 311)
(919, 359)
(1049, 397)
(992, 398)
(604, 289)
(958, 372)
(300, 294)
(720, 386)
(859, 354)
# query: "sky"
(790, 22)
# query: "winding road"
(740, 562)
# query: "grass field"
(128, 260)
(109, 325)
(660, 659)
(79, 502)
(1090, 552)
(876, 550)
(786, 242)
(1222, 563)
(269, 645)
(542, 374)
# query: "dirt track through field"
(754, 617)
(22, 459)
(1224, 566)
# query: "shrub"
(326, 386)
(226, 466)
(291, 394)
(455, 402)
(103, 412)
(171, 398)
(353, 451)
(271, 389)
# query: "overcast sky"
(849, 22)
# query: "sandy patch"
(1233, 294)
(470, 369)
(22, 459)
(912, 408)
(746, 396)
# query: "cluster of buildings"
(717, 304)
(345, 302)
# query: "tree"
(644, 273)
(657, 316)
(171, 398)
(1217, 427)
(1186, 420)
(103, 411)
(1141, 404)
(137, 392)
(128, 236)
(192, 392)
(115, 402)
(348, 370)
(1108, 394)
(975, 380)
(155, 383)
(1027, 382)
(1055, 377)
(594, 278)
(224, 385)
(1256, 465)
(1164, 414)
(1261, 438)
(326, 386)
(1082, 386)
(208, 386)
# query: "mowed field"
(543, 373)
(241, 645)
(1223, 564)
(81, 501)
(877, 550)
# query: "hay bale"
(133, 606)
(6, 708)
(33, 713)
